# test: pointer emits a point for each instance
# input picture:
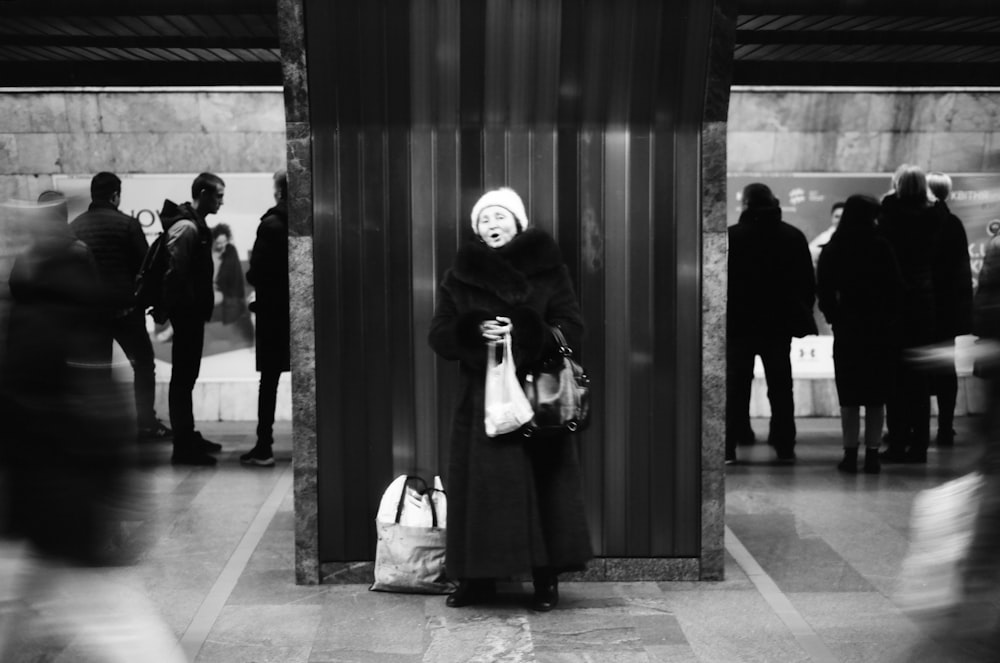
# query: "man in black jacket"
(118, 245)
(188, 300)
(770, 299)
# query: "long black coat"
(514, 504)
(952, 280)
(859, 288)
(915, 234)
(268, 274)
(771, 279)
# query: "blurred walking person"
(859, 288)
(953, 303)
(66, 458)
(268, 274)
(119, 246)
(770, 300)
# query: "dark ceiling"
(235, 42)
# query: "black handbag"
(559, 393)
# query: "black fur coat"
(513, 504)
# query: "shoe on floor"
(260, 455)
(471, 592)
(872, 464)
(945, 438)
(206, 446)
(786, 457)
(155, 432)
(546, 594)
(849, 465)
(192, 457)
(730, 457)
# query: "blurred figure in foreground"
(953, 301)
(770, 299)
(268, 274)
(859, 288)
(66, 460)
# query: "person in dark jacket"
(118, 244)
(859, 288)
(770, 299)
(913, 226)
(953, 301)
(188, 301)
(229, 287)
(268, 274)
(515, 504)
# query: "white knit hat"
(502, 197)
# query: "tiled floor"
(811, 573)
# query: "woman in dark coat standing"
(912, 224)
(859, 286)
(515, 505)
(268, 274)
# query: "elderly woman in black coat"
(515, 504)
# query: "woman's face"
(220, 243)
(496, 226)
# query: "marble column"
(713, 290)
(291, 29)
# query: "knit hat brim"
(502, 197)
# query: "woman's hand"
(496, 329)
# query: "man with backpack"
(119, 246)
(187, 299)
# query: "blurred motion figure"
(66, 456)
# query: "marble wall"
(81, 132)
(855, 131)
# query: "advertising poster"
(228, 352)
(806, 200)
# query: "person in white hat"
(515, 504)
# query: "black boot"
(470, 592)
(850, 462)
(546, 591)
(872, 463)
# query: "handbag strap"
(426, 491)
(564, 348)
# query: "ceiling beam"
(48, 74)
(111, 41)
(865, 73)
(867, 37)
(870, 7)
(97, 8)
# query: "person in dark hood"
(770, 300)
(119, 247)
(188, 300)
(515, 503)
(268, 275)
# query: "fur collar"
(506, 271)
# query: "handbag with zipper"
(559, 393)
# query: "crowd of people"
(892, 278)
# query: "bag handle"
(564, 348)
(426, 491)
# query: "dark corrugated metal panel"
(592, 111)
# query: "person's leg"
(775, 355)
(739, 380)
(898, 436)
(918, 413)
(189, 338)
(850, 427)
(873, 438)
(945, 386)
(130, 333)
(267, 399)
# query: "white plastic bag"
(410, 553)
(506, 406)
(941, 528)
